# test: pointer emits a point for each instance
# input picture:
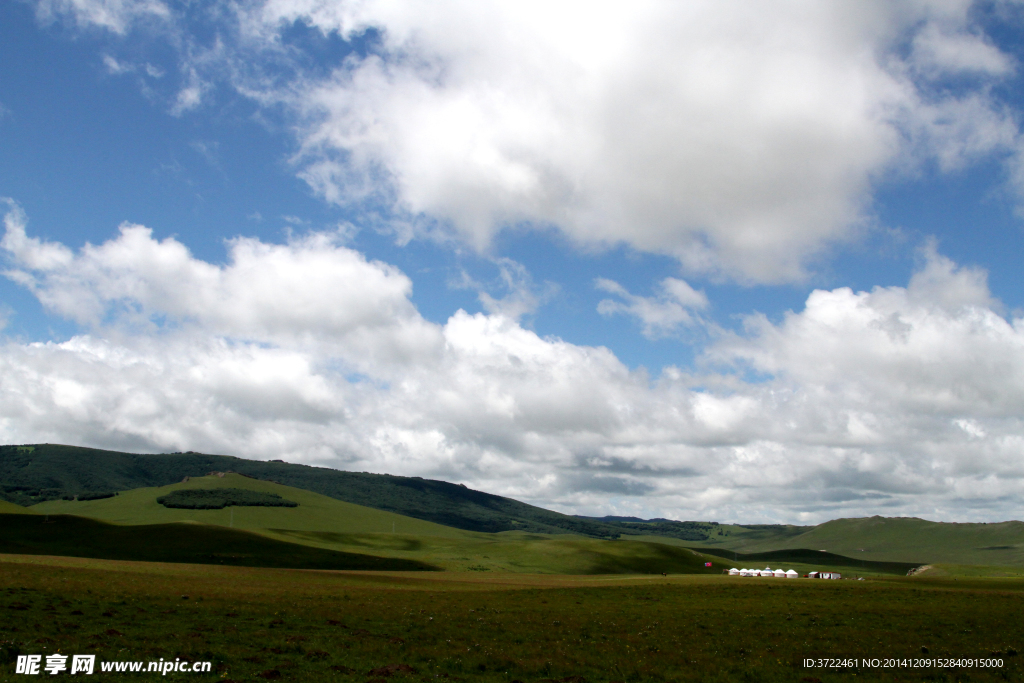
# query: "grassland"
(38, 472)
(260, 624)
(806, 557)
(325, 523)
(82, 537)
(315, 512)
(12, 509)
(901, 539)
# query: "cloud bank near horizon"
(903, 400)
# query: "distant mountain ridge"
(686, 531)
(31, 474)
(35, 473)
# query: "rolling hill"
(817, 558)
(323, 523)
(314, 513)
(30, 474)
(892, 539)
(73, 536)
(12, 509)
(448, 524)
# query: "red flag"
(707, 564)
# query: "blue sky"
(674, 261)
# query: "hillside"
(909, 539)
(893, 539)
(35, 473)
(668, 528)
(12, 509)
(72, 536)
(314, 513)
(324, 523)
(426, 519)
(816, 558)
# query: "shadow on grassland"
(396, 542)
(529, 553)
(72, 536)
(813, 557)
(633, 557)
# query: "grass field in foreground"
(267, 624)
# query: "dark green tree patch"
(216, 499)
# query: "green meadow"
(67, 535)
(900, 539)
(315, 512)
(328, 524)
(259, 624)
(334, 591)
(12, 509)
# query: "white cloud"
(311, 291)
(899, 399)
(115, 67)
(743, 139)
(935, 350)
(522, 296)
(939, 50)
(116, 16)
(661, 315)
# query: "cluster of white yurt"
(766, 572)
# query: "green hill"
(314, 513)
(892, 539)
(328, 524)
(35, 473)
(909, 539)
(190, 543)
(12, 509)
(435, 521)
(805, 557)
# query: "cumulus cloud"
(743, 139)
(311, 291)
(521, 295)
(661, 315)
(905, 399)
(942, 49)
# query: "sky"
(732, 261)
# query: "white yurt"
(734, 572)
(792, 575)
(744, 572)
(767, 571)
(780, 573)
